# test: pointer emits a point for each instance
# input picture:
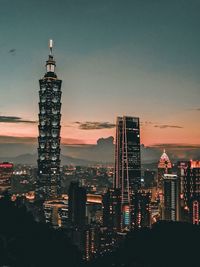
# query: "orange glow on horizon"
(72, 135)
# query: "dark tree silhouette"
(167, 244)
(25, 243)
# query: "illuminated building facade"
(48, 182)
(91, 242)
(127, 163)
(109, 240)
(154, 212)
(141, 211)
(112, 209)
(170, 205)
(192, 191)
(56, 213)
(6, 172)
(87, 240)
(181, 171)
(94, 213)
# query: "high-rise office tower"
(127, 163)
(48, 183)
(192, 191)
(164, 167)
(181, 172)
(170, 205)
(77, 204)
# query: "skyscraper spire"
(51, 46)
(50, 63)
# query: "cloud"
(14, 119)
(105, 141)
(193, 109)
(12, 51)
(102, 151)
(164, 126)
(158, 125)
(148, 122)
(94, 125)
(177, 146)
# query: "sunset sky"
(138, 58)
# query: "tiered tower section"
(48, 183)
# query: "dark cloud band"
(177, 146)
(12, 51)
(94, 125)
(164, 126)
(14, 119)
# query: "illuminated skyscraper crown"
(164, 161)
(164, 156)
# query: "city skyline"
(138, 59)
(99, 133)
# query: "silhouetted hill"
(167, 244)
(25, 243)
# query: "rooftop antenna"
(51, 46)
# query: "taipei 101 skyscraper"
(48, 178)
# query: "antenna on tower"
(51, 46)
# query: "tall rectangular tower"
(6, 172)
(77, 204)
(192, 191)
(48, 183)
(127, 162)
(170, 205)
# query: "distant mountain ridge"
(31, 159)
(101, 152)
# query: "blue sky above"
(138, 58)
